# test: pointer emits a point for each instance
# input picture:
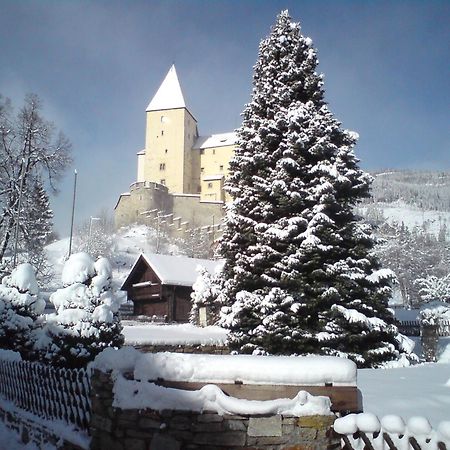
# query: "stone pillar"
(430, 339)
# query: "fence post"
(429, 337)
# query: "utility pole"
(73, 210)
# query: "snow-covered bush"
(20, 307)
(433, 288)
(86, 319)
(435, 312)
(205, 293)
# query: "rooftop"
(169, 94)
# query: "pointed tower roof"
(169, 94)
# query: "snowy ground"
(423, 390)
(172, 334)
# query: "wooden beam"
(343, 398)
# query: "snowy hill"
(414, 198)
(129, 242)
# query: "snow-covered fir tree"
(86, 319)
(20, 307)
(299, 274)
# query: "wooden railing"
(48, 392)
(366, 432)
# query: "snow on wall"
(132, 394)
(141, 392)
(281, 370)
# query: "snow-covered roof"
(175, 270)
(169, 94)
(216, 140)
(212, 177)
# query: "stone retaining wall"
(116, 429)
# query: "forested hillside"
(422, 189)
(410, 212)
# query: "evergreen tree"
(20, 307)
(299, 275)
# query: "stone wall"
(133, 207)
(116, 429)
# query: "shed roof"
(173, 270)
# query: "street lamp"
(91, 220)
(73, 210)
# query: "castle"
(180, 175)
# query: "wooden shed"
(161, 285)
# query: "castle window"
(221, 168)
(162, 119)
(163, 182)
(162, 166)
(166, 151)
(202, 169)
(162, 132)
(209, 185)
(214, 151)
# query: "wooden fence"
(413, 328)
(366, 432)
(48, 392)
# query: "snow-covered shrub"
(205, 293)
(86, 319)
(433, 288)
(434, 312)
(20, 307)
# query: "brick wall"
(116, 429)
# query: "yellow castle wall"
(215, 161)
(168, 143)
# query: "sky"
(96, 65)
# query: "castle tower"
(171, 132)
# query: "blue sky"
(96, 65)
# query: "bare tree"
(31, 149)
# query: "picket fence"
(48, 392)
(365, 431)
